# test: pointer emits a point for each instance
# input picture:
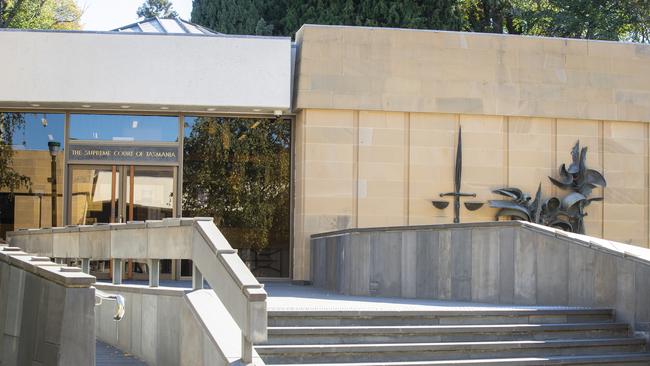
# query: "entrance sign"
(118, 153)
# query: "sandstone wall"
(379, 111)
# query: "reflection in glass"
(237, 170)
(28, 168)
(152, 196)
(97, 191)
(112, 127)
(94, 194)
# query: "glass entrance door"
(121, 193)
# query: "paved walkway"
(107, 355)
(284, 296)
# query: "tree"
(233, 16)
(237, 171)
(488, 16)
(156, 8)
(589, 19)
(40, 14)
(9, 178)
(586, 19)
(285, 17)
(31, 14)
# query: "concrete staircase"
(521, 336)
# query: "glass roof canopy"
(171, 25)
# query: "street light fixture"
(54, 147)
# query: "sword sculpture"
(457, 194)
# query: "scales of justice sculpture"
(565, 213)
(457, 194)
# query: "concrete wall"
(504, 263)
(226, 320)
(145, 71)
(46, 312)
(170, 326)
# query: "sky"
(103, 15)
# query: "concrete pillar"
(154, 272)
(197, 278)
(85, 265)
(117, 271)
(246, 351)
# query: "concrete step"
(386, 352)
(456, 316)
(443, 333)
(629, 359)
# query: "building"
(373, 116)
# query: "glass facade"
(32, 193)
(117, 193)
(117, 127)
(238, 171)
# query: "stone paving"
(107, 355)
(284, 296)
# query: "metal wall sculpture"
(457, 194)
(567, 213)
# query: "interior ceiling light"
(212, 109)
(257, 110)
(36, 105)
(86, 105)
(125, 106)
(164, 108)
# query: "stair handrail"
(120, 303)
(234, 284)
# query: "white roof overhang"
(148, 72)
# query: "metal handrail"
(119, 303)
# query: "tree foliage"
(29, 14)
(588, 19)
(285, 17)
(9, 178)
(156, 8)
(40, 14)
(237, 171)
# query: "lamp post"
(54, 147)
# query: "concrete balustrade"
(497, 262)
(151, 240)
(171, 326)
(233, 282)
(240, 294)
(47, 312)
